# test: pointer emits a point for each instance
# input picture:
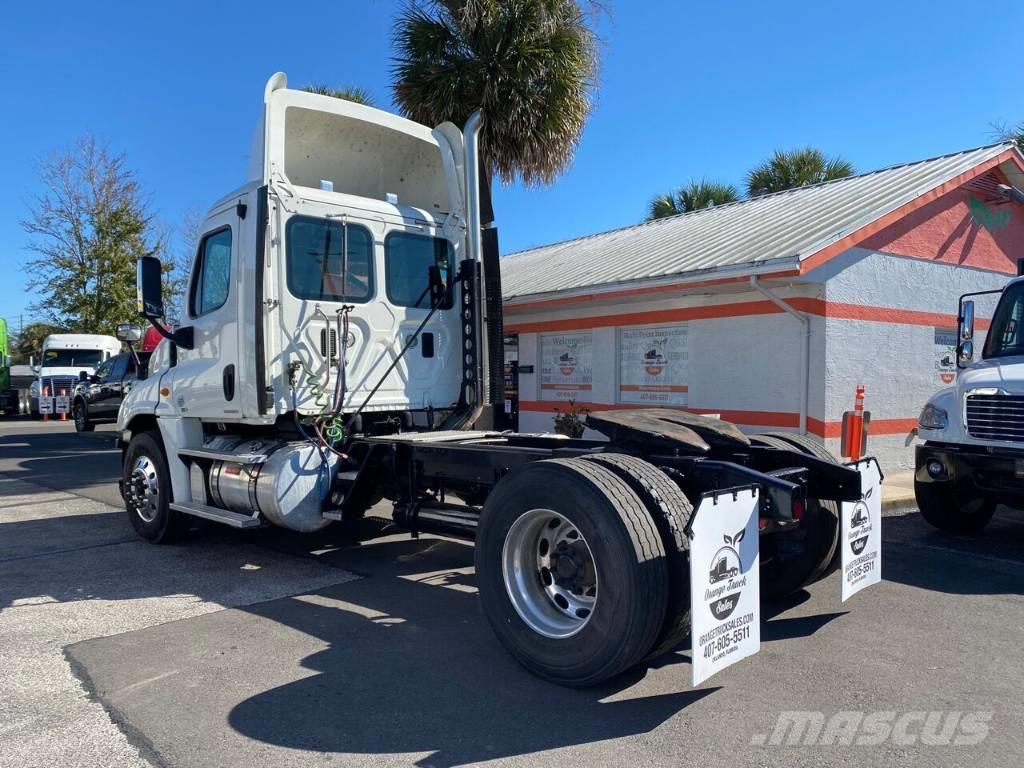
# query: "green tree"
(88, 228)
(530, 65)
(29, 342)
(347, 92)
(692, 197)
(795, 168)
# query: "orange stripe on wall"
(811, 306)
(779, 419)
(749, 418)
(878, 427)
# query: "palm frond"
(795, 168)
(530, 65)
(353, 93)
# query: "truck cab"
(64, 357)
(972, 457)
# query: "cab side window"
(211, 279)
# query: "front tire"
(571, 571)
(951, 511)
(147, 490)
(81, 415)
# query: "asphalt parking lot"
(365, 647)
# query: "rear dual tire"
(787, 573)
(572, 571)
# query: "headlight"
(33, 389)
(933, 417)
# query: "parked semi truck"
(342, 344)
(64, 357)
(10, 398)
(972, 455)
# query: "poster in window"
(653, 366)
(945, 354)
(565, 366)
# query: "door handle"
(229, 382)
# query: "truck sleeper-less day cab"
(65, 356)
(342, 344)
(972, 458)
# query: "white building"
(770, 311)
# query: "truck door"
(199, 382)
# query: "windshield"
(1006, 335)
(70, 358)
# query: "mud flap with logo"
(725, 599)
(861, 532)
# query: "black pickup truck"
(98, 396)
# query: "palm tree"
(530, 65)
(347, 92)
(796, 168)
(1014, 133)
(692, 197)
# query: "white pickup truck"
(972, 457)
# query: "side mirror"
(83, 376)
(966, 321)
(964, 354)
(129, 333)
(149, 288)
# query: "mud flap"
(725, 587)
(861, 533)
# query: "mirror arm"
(182, 337)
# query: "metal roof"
(776, 229)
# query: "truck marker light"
(762, 523)
(164, 392)
(798, 509)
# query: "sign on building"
(565, 366)
(945, 354)
(725, 587)
(653, 365)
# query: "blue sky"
(686, 90)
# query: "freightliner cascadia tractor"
(341, 344)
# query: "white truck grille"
(57, 384)
(996, 417)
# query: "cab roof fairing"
(303, 138)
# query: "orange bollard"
(63, 414)
(857, 425)
(46, 393)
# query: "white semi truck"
(341, 343)
(64, 357)
(972, 457)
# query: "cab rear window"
(329, 261)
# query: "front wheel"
(147, 490)
(82, 421)
(571, 571)
(951, 511)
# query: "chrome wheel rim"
(143, 489)
(550, 573)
